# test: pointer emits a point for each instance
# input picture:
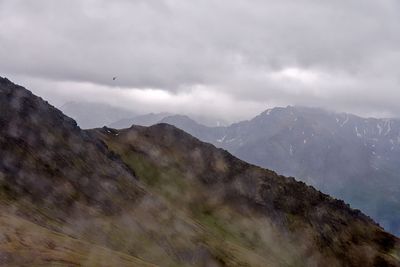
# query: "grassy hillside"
(24, 243)
(270, 215)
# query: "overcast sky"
(225, 58)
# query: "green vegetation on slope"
(195, 181)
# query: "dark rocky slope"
(156, 195)
(204, 180)
(349, 157)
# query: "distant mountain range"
(156, 196)
(142, 120)
(90, 115)
(353, 158)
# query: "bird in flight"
(114, 78)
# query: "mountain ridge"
(317, 146)
(160, 196)
(151, 133)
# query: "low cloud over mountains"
(186, 55)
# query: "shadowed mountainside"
(218, 189)
(349, 157)
(156, 195)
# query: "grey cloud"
(231, 47)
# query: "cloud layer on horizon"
(227, 58)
